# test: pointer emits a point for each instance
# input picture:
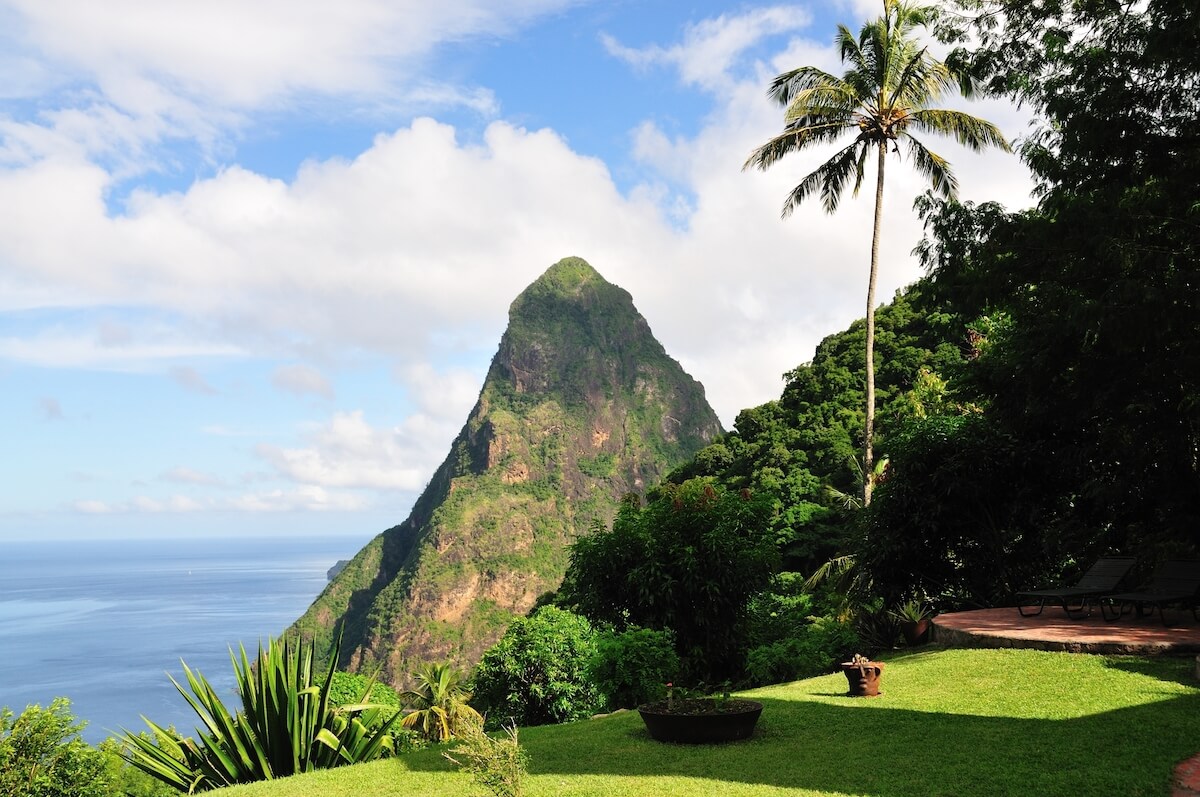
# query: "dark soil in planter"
(701, 720)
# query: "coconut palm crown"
(883, 98)
(438, 704)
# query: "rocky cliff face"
(580, 406)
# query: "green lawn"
(950, 722)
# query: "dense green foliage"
(631, 667)
(287, 724)
(958, 519)
(794, 633)
(41, 755)
(1085, 370)
(991, 723)
(799, 451)
(537, 672)
(809, 649)
(687, 562)
(438, 703)
(348, 688)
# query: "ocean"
(101, 622)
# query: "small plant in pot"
(914, 618)
(863, 676)
(700, 720)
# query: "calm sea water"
(101, 622)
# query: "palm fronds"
(887, 88)
(438, 704)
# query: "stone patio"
(1053, 630)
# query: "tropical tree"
(689, 562)
(438, 703)
(884, 96)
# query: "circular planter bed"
(701, 721)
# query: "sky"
(255, 258)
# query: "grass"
(950, 722)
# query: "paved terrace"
(1053, 630)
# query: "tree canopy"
(1096, 368)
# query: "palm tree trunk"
(869, 433)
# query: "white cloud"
(302, 380)
(110, 348)
(174, 503)
(303, 499)
(445, 395)
(92, 507)
(710, 48)
(335, 257)
(144, 72)
(383, 254)
(192, 380)
(244, 54)
(350, 453)
(184, 475)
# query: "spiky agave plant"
(287, 724)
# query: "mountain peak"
(567, 277)
(581, 405)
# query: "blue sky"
(256, 257)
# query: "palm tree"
(439, 702)
(884, 95)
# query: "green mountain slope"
(580, 406)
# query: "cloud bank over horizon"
(311, 336)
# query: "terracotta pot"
(863, 678)
(914, 632)
(736, 720)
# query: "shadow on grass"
(843, 747)
(1173, 669)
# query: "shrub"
(776, 612)
(497, 764)
(631, 667)
(688, 562)
(813, 649)
(288, 725)
(41, 754)
(536, 674)
(349, 688)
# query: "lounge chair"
(1100, 579)
(1175, 581)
